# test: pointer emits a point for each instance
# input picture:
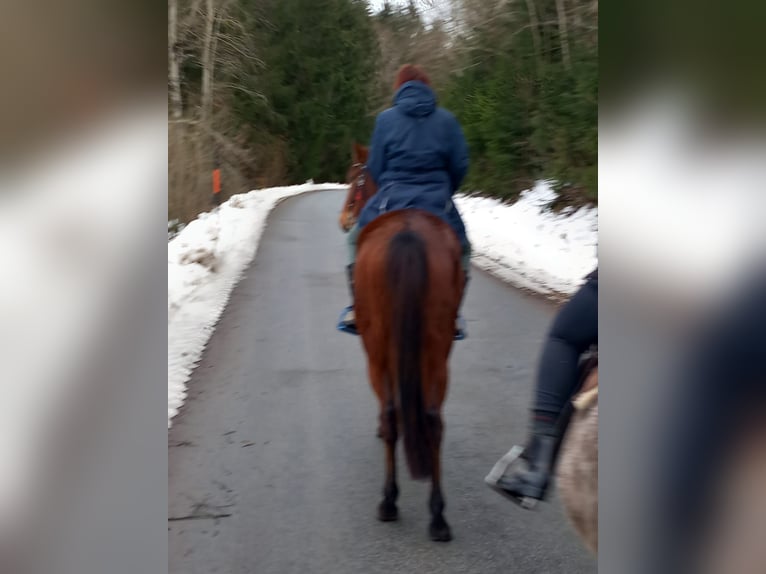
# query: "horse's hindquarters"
(739, 528)
(578, 474)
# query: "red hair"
(410, 73)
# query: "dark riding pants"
(574, 330)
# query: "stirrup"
(345, 326)
(526, 487)
(498, 472)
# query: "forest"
(274, 92)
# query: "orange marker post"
(217, 185)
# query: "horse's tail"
(408, 282)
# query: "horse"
(733, 544)
(361, 187)
(408, 287)
(577, 469)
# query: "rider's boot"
(460, 329)
(348, 319)
(526, 479)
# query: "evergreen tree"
(527, 96)
(317, 83)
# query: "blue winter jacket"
(418, 158)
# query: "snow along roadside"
(205, 262)
(523, 244)
(530, 246)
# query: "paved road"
(274, 467)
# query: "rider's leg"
(574, 330)
(465, 263)
(349, 318)
(351, 239)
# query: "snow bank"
(522, 243)
(205, 261)
(530, 246)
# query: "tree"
(526, 93)
(209, 53)
(317, 83)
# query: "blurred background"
(83, 195)
(274, 92)
(682, 150)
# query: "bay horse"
(408, 287)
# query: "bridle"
(361, 189)
(360, 186)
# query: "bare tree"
(535, 24)
(174, 75)
(213, 35)
(563, 34)
(208, 61)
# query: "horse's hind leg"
(387, 510)
(439, 530)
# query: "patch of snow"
(174, 228)
(530, 246)
(525, 244)
(205, 261)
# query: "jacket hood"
(415, 99)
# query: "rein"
(360, 183)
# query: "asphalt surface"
(274, 466)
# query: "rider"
(418, 159)
(574, 331)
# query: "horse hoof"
(387, 512)
(440, 531)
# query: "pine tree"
(319, 76)
(527, 95)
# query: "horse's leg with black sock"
(439, 530)
(387, 510)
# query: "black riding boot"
(526, 478)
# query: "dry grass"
(190, 165)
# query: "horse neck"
(364, 192)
